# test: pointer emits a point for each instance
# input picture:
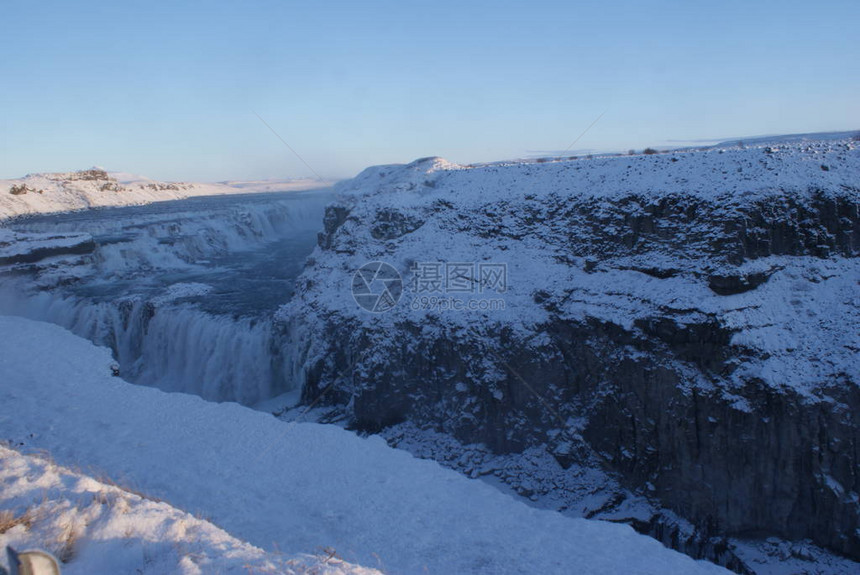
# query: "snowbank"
(297, 488)
(94, 527)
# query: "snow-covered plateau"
(619, 363)
(96, 187)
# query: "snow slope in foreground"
(62, 192)
(296, 488)
(93, 527)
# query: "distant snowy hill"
(59, 192)
(294, 488)
(789, 138)
(277, 185)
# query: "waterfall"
(175, 343)
(174, 348)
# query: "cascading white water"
(215, 357)
(218, 342)
(174, 347)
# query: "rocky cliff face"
(689, 319)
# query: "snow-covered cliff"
(688, 319)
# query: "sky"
(173, 90)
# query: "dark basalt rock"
(735, 283)
(774, 462)
(391, 224)
(335, 216)
(695, 544)
(720, 231)
(38, 254)
(659, 273)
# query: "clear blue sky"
(169, 89)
